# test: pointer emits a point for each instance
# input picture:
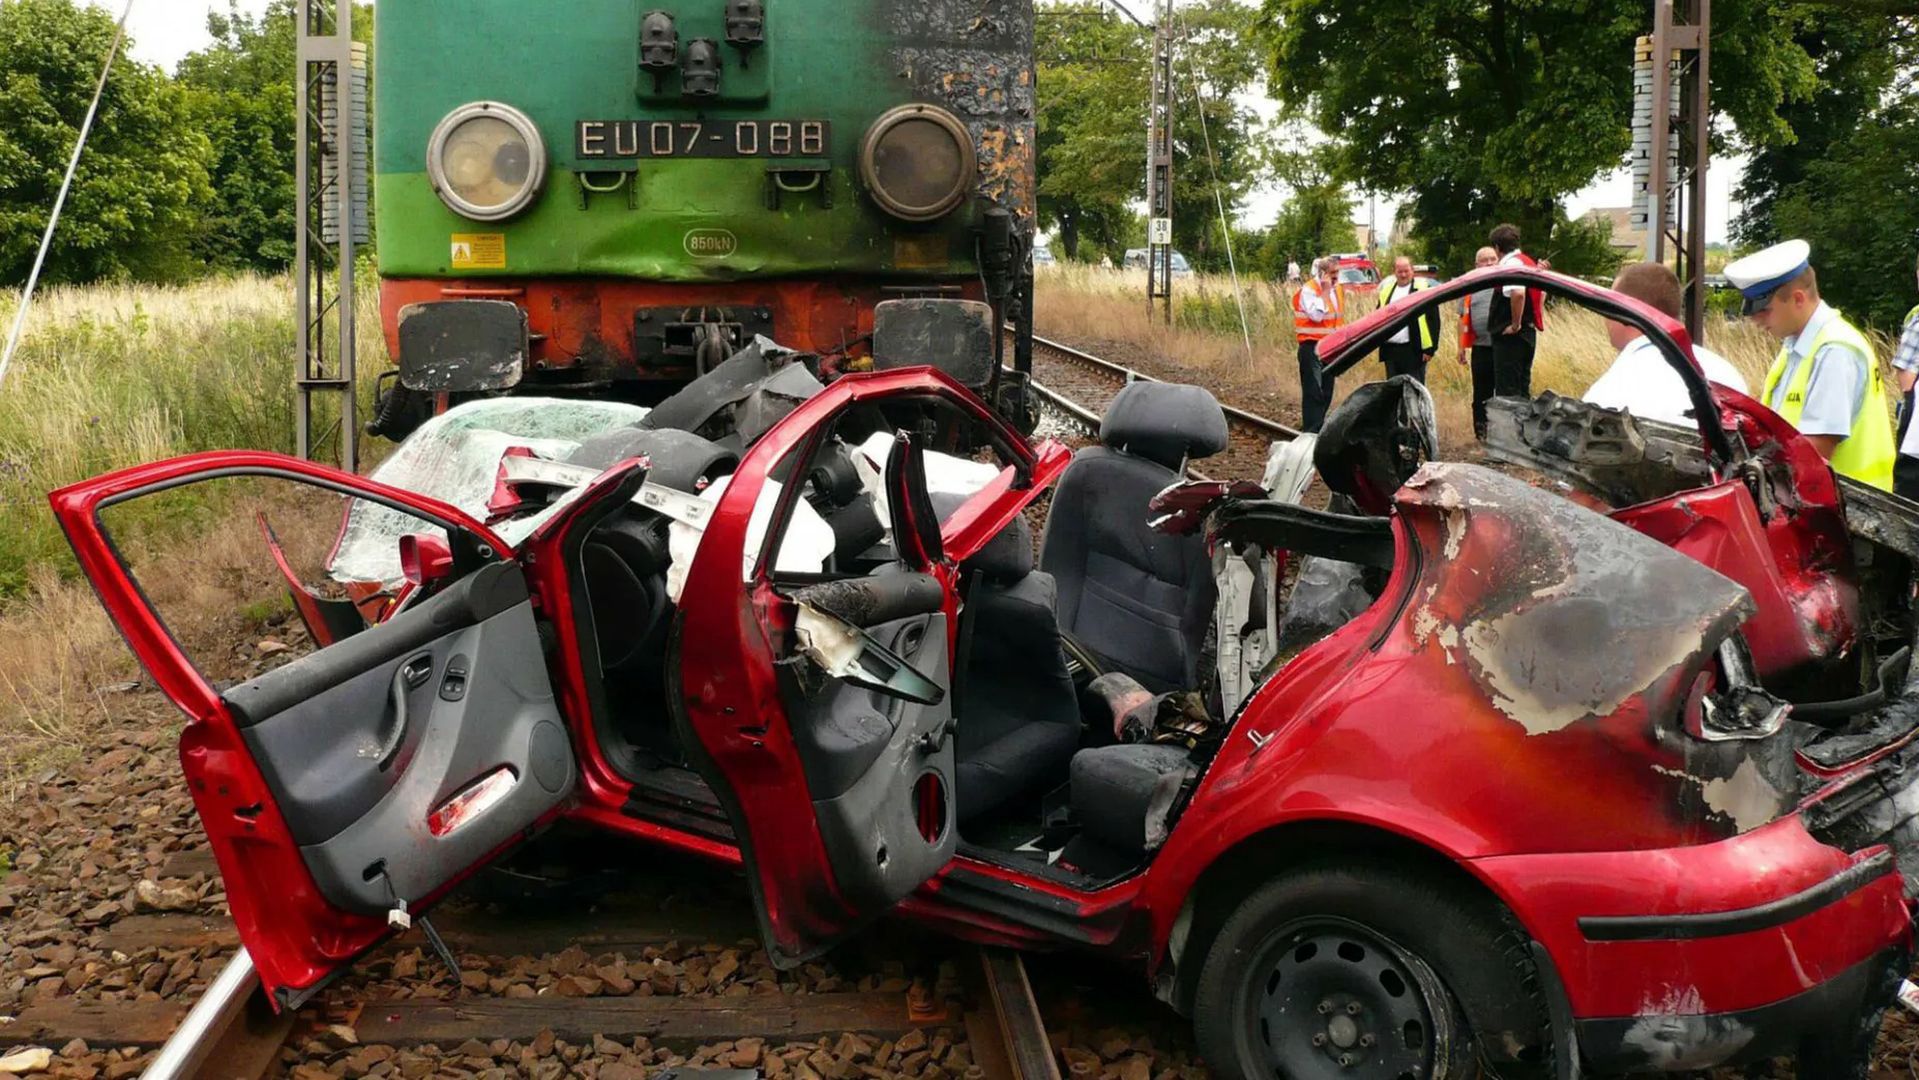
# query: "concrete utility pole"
(1159, 169)
(330, 217)
(1671, 144)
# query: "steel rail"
(1009, 1041)
(1254, 420)
(207, 1023)
(1080, 414)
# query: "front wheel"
(1349, 970)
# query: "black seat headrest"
(1375, 440)
(1006, 558)
(1164, 422)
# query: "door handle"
(412, 675)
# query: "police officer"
(1402, 355)
(1826, 380)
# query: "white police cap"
(1759, 275)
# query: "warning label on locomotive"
(606, 140)
(710, 243)
(479, 251)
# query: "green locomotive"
(609, 197)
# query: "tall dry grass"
(1097, 305)
(110, 376)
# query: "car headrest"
(1164, 422)
(1006, 558)
(1375, 440)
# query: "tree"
(1859, 208)
(1094, 85)
(1219, 146)
(131, 210)
(1485, 110)
(1855, 64)
(1582, 248)
(1316, 220)
(241, 94)
(1092, 117)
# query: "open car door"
(343, 786)
(815, 694)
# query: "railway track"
(1076, 386)
(654, 978)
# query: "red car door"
(835, 761)
(347, 789)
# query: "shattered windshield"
(455, 457)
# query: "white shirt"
(1641, 382)
(1313, 303)
(1512, 259)
(1401, 294)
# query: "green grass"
(111, 376)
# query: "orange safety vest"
(1305, 326)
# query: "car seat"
(1138, 600)
(1018, 721)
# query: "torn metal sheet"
(1620, 457)
(736, 402)
(679, 506)
(1569, 614)
(1240, 630)
(1289, 468)
(1743, 709)
(804, 547)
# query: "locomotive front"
(606, 197)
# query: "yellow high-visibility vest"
(1386, 294)
(1868, 453)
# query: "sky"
(164, 31)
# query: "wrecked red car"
(1605, 766)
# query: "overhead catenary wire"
(1212, 168)
(60, 200)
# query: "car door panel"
(401, 729)
(841, 798)
(872, 825)
(356, 777)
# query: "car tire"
(1362, 968)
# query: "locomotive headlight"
(486, 161)
(918, 162)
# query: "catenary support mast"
(330, 219)
(1159, 169)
